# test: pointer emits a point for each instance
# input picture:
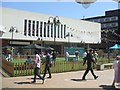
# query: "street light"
(106, 39)
(42, 43)
(55, 21)
(12, 30)
(69, 35)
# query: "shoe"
(96, 77)
(49, 77)
(112, 85)
(43, 80)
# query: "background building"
(24, 28)
(110, 26)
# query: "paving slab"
(63, 80)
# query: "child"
(116, 71)
(29, 60)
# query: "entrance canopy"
(116, 46)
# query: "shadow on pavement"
(108, 87)
(22, 82)
(77, 80)
(81, 79)
(33, 78)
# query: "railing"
(21, 69)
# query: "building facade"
(24, 28)
(110, 27)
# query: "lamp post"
(55, 21)
(107, 42)
(69, 35)
(42, 45)
(12, 30)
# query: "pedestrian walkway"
(62, 80)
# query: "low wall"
(8, 67)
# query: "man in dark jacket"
(90, 60)
(47, 64)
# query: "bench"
(72, 57)
(105, 66)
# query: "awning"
(116, 46)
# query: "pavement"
(63, 80)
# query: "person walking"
(77, 54)
(67, 56)
(47, 64)
(85, 54)
(54, 57)
(90, 60)
(95, 55)
(116, 71)
(37, 62)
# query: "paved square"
(62, 80)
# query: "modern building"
(110, 27)
(24, 28)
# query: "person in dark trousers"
(47, 64)
(90, 60)
(37, 67)
(54, 56)
(77, 54)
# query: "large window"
(64, 30)
(25, 27)
(115, 18)
(44, 29)
(51, 29)
(33, 28)
(37, 28)
(29, 27)
(41, 24)
(48, 30)
(58, 29)
(61, 31)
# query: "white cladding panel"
(82, 31)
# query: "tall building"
(110, 26)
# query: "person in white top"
(116, 71)
(9, 57)
(95, 55)
(67, 56)
(37, 62)
(84, 55)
